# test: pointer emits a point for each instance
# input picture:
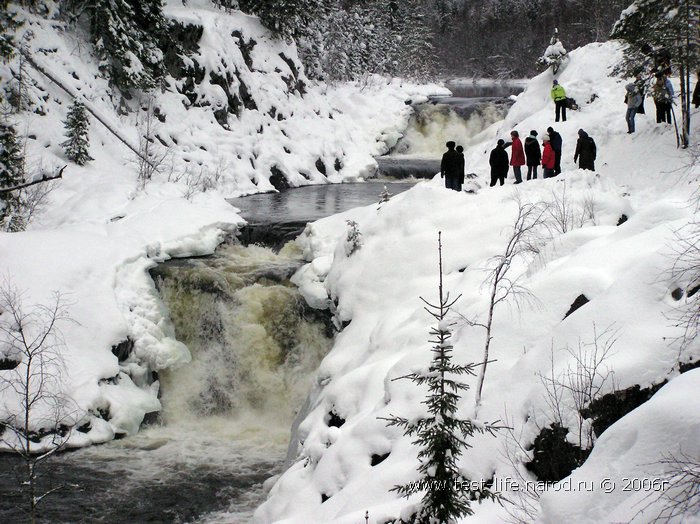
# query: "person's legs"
(518, 174)
(529, 172)
(629, 117)
(659, 112)
(534, 172)
(557, 111)
(563, 110)
(557, 163)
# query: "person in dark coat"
(460, 150)
(450, 166)
(499, 163)
(556, 143)
(585, 151)
(533, 154)
(696, 92)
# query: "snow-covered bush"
(555, 56)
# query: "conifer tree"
(7, 23)
(77, 126)
(286, 18)
(441, 435)
(128, 36)
(655, 30)
(11, 174)
(555, 54)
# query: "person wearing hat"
(547, 157)
(633, 100)
(499, 163)
(451, 166)
(559, 96)
(586, 151)
(556, 141)
(533, 154)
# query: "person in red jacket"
(548, 159)
(517, 155)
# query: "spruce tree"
(555, 54)
(441, 435)
(11, 174)
(7, 24)
(77, 126)
(128, 36)
(656, 30)
(286, 18)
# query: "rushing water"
(460, 117)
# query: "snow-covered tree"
(128, 36)
(441, 435)
(77, 126)
(661, 34)
(11, 174)
(286, 18)
(7, 23)
(555, 55)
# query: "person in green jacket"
(559, 97)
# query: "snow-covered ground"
(100, 231)
(623, 267)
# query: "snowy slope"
(99, 232)
(624, 270)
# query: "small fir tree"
(441, 435)
(555, 55)
(11, 174)
(77, 125)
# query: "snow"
(624, 270)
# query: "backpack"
(571, 104)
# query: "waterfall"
(255, 344)
(458, 119)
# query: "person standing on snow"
(450, 166)
(499, 163)
(585, 151)
(460, 150)
(556, 142)
(559, 96)
(662, 92)
(533, 154)
(633, 100)
(547, 158)
(517, 155)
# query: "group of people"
(452, 166)
(661, 92)
(549, 156)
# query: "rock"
(580, 301)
